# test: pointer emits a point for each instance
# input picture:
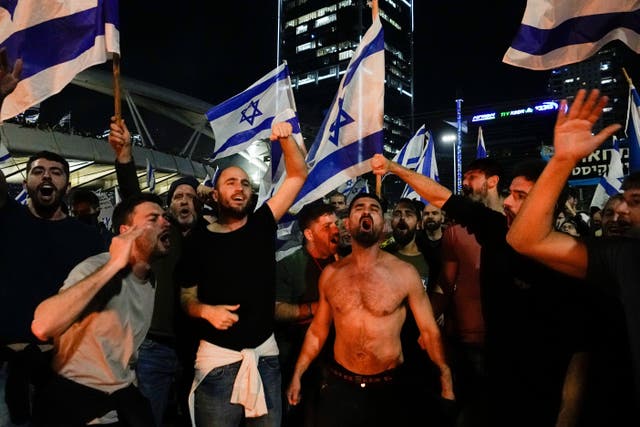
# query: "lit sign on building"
(539, 108)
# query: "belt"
(383, 378)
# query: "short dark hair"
(383, 204)
(415, 205)
(80, 195)
(312, 211)
(48, 155)
(123, 210)
(486, 165)
(631, 181)
(530, 169)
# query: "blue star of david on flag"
(252, 116)
(342, 119)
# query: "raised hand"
(573, 137)
(281, 130)
(120, 140)
(122, 244)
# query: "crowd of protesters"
(504, 305)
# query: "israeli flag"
(22, 197)
(427, 167)
(409, 156)
(353, 187)
(56, 40)
(276, 173)
(610, 184)
(481, 150)
(210, 179)
(151, 177)
(239, 121)
(352, 130)
(633, 128)
(554, 33)
(4, 153)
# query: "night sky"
(214, 55)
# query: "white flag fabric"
(151, 177)
(554, 33)
(633, 129)
(409, 156)
(611, 182)
(353, 187)
(276, 173)
(246, 117)
(352, 130)
(481, 150)
(56, 40)
(427, 167)
(4, 153)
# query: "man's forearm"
(55, 315)
(535, 218)
(429, 189)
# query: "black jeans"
(63, 402)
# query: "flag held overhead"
(352, 131)
(55, 40)
(246, 117)
(554, 33)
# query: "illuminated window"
(345, 55)
(326, 50)
(306, 46)
(326, 20)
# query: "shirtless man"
(366, 294)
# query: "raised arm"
(532, 231)
(57, 313)
(435, 193)
(295, 166)
(120, 141)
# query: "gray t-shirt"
(98, 350)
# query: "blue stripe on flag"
(71, 35)
(242, 98)
(633, 125)
(582, 29)
(376, 45)
(245, 136)
(608, 188)
(347, 156)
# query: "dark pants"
(351, 400)
(27, 370)
(63, 402)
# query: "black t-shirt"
(613, 265)
(235, 268)
(36, 255)
(535, 318)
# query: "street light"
(450, 137)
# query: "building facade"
(319, 38)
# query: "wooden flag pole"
(116, 86)
(374, 15)
(626, 76)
